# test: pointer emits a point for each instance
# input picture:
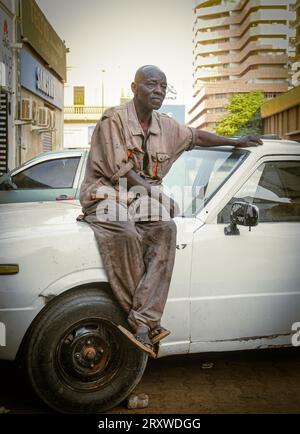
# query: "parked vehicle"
(50, 176)
(232, 288)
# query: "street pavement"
(262, 381)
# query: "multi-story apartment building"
(239, 46)
(296, 59)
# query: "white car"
(232, 288)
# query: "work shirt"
(118, 145)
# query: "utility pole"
(102, 92)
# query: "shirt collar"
(134, 124)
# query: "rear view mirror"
(242, 213)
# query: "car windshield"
(198, 174)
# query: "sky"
(119, 36)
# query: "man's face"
(150, 90)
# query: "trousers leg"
(138, 259)
(121, 250)
(150, 296)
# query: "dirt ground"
(263, 381)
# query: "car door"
(245, 289)
(48, 180)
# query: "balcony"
(272, 61)
(212, 31)
(261, 30)
(245, 17)
(243, 6)
(212, 10)
(78, 109)
(83, 113)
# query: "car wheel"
(77, 361)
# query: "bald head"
(149, 88)
(147, 71)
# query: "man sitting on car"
(133, 142)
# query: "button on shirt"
(117, 147)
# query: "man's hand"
(248, 141)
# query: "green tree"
(244, 115)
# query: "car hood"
(34, 216)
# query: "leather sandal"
(158, 333)
(140, 339)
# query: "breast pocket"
(136, 155)
(161, 162)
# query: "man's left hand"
(248, 141)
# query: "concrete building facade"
(296, 60)
(281, 116)
(240, 46)
(32, 76)
(8, 88)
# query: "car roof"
(270, 147)
(64, 152)
(276, 147)
(54, 154)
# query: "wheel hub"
(87, 354)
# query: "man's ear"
(133, 87)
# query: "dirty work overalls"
(138, 256)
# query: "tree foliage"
(244, 115)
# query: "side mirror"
(6, 183)
(242, 213)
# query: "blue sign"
(40, 81)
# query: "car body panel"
(69, 265)
(254, 292)
(257, 288)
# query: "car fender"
(18, 321)
(85, 277)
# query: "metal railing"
(84, 110)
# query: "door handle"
(64, 197)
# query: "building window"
(78, 95)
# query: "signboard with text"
(42, 37)
(40, 81)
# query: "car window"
(275, 189)
(196, 176)
(58, 173)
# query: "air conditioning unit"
(43, 117)
(26, 109)
(34, 112)
(52, 119)
(2, 74)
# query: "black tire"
(76, 359)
